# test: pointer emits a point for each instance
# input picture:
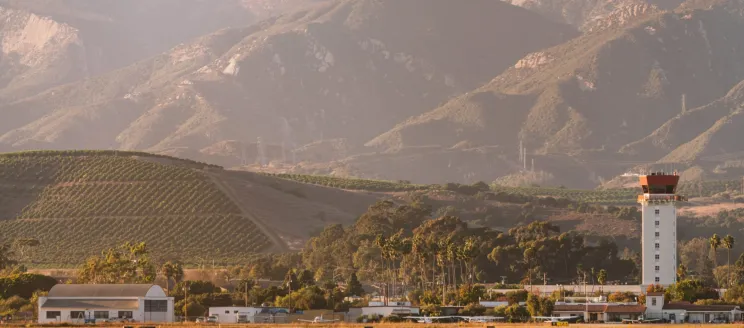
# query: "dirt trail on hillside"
(279, 244)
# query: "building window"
(656, 211)
(657, 234)
(657, 279)
(227, 311)
(653, 301)
(126, 314)
(53, 314)
(236, 311)
(657, 268)
(156, 306)
(101, 314)
(657, 245)
(656, 256)
(77, 315)
(656, 223)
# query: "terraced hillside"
(78, 203)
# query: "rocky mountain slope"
(48, 42)
(592, 15)
(350, 69)
(381, 88)
(594, 94)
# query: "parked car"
(201, 320)
(212, 319)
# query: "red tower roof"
(658, 183)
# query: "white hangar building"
(91, 303)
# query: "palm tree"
(470, 252)
(177, 272)
(715, 243)
(451, 257)
(167, 270)
(171, 270)
(728, 243)
(602, 276)
(383, 243)
(445, 245)
(420, 252)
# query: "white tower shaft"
(659, 243)
(659, 229)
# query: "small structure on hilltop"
(103, 303)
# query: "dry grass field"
(421, 325)
(380, 325)
(416, 325)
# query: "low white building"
(605, 312)
(89, 303)
(679, 312)
(239, 314)
(385, 310)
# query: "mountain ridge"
(383, 89)
(334, 46)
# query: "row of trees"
(401, 248)
(727, 242)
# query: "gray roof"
(123, 290)
(689, 307)
(83, 304)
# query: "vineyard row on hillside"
(98, 153)
(185, 238)
(142, 199)
(622, 196)
(58, 169)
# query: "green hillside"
(78, 203)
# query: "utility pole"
(290, 299)
(586, 301)
(186, 297)
(524, 158)
(533, 165)
(444, 294)
(545, 282)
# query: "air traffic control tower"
(659, 228)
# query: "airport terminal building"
(69, 303)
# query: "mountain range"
(429, 91)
